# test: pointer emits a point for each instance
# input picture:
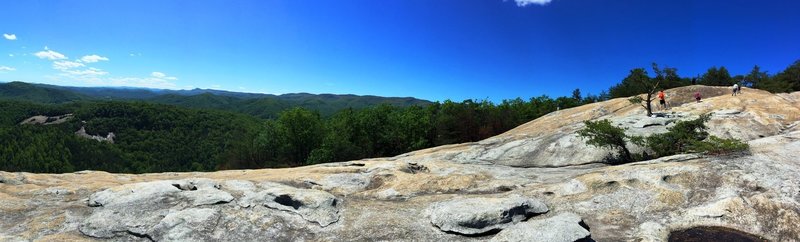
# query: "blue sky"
(431, 49)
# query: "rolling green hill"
(259, 105)
(33, 93)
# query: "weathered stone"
(134, 208)
(198, 192)
(193, 224)
(564, 227)
(481, 215)
(313, 205)
(11, 179)
(346, 183)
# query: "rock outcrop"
(473, 216)
(47, 120)
(82, 133)
(538, 182)
(564, 227)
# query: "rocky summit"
(538, 182)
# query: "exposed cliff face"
(458, 192)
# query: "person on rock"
(735, 89)
(697, 96)
(662, 100)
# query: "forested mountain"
(270, 107)
(259, 105)
(28, 92)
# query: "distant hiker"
(735, 89)
(661, 100)
(697, 96)
(739, 89)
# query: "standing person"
(735, 89)
(662, 100)
(738, 89)
(697, 96)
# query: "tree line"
(787, 80)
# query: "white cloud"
(10, 36)
(49, 54)
(65, 65)
(523, 3)
(6, 68)
(155, 80)
(161, 75)
(149, 82)
(87, 72)
(158, 74)
(11, 55)
(93, 58)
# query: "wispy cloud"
(81, 70)
(10, 36)
(93, 58)
(148, 82)
(161, 75)
(6, 68)
(91, 72)
(523, 3)
(64, 65)
(49, 54)
(73, 71)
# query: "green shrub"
(679, 138)
(684, 137)
(718, 146)
(604, 135)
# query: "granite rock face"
(313, 205)
(538, 182)
(564, 227)
(481, 215)
(151, 209)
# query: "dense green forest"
(152, 136)
(259, 105)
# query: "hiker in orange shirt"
(661, 100)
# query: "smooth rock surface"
(480, 215)
(564, 227)
(313, 205)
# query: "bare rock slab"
(473, 216)
(564, 227)
(133, 209)
(313, 205)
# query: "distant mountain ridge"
(257, 104)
